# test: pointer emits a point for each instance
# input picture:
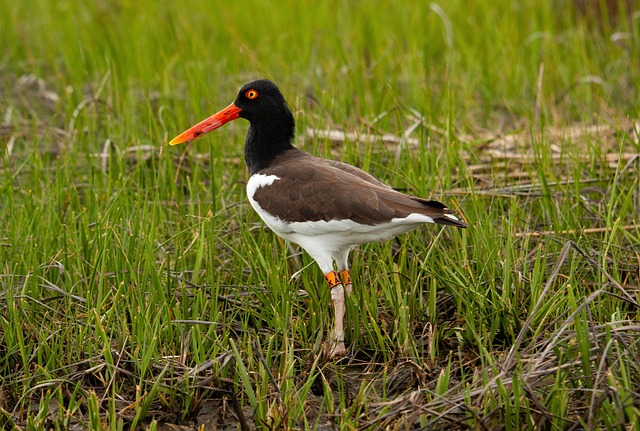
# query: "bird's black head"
(262, 101)
(272, 126)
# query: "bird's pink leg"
(336, 343)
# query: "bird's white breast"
(275, 224)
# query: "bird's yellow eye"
(251, 94)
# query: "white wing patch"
(451, 216)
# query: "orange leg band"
(332, 278)
(346, 278)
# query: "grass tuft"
(139, 290)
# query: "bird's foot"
(335, 346)
(337, 349)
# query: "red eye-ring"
(251, 94)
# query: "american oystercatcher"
(325, 206)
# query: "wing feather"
(314, 189)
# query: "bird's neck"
(265, 141)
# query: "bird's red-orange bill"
(218, 119)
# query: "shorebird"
(325, 206)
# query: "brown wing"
(350, 169)
(313, 189)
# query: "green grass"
(138, 288)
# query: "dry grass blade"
(585, 231)
(339, 137)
